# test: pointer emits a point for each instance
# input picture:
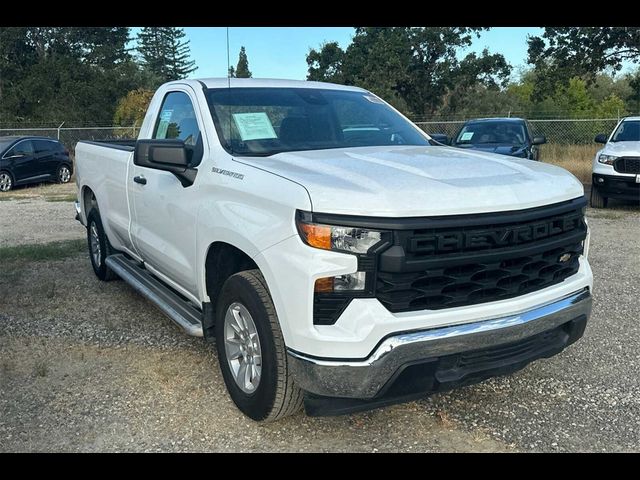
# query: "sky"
(280, 52)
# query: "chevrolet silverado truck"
(336, 255)
(616, 167)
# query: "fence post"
(59, 127)
(133, 129)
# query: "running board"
(183, 313)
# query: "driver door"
(164, 212)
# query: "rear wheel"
(99, 247)
(64, 174)
(6, 181)
(597, 200)
(251, 350)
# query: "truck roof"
(270, 83)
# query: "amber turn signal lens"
(324, 285)
(318, 236)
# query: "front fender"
(252, 214)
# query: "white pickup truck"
(339, 256)
(616, 167)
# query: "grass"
(51, 192)
(63, 198)
(575, 158)
(47, 251)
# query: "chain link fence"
(557, 131)
(70, 136)
(569, 141)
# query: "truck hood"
(407, 181)
(622, 149)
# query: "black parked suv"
(32, 159)
(506, 136)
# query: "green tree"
(132, 107)
(611, 107)
(562, 53)
(72, 74)
(325, 64)
(633, 97)
(165, 54)
(242, 68)
(414, 68)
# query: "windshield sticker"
(163, 124)
(254, 126)
(466, 136)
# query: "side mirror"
(440, 138)
(168, 155)
(601, 138)
(539, 140)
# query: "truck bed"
(127, 144)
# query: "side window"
(43, 146)
(24, 148)
(177, 119)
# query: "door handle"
(140, 179)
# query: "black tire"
(8, 182)
(100, 268)
(597, 200)
(61, 176)
(276, 395)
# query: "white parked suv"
(616, 168)
(337, 255)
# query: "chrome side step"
(183, 313)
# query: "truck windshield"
(266, 121)
(478, 133)
(628, 131)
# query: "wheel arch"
(222, 261)
(88, 200)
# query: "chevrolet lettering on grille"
(443, 242)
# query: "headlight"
(606, 159)
(334, 237)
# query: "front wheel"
(251, 350)
(64, 174)
(6, 182)
(597, 200)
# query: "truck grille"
(627, 165)
(466, 260)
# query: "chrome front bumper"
(365, 378)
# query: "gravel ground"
(89, 366)
(37, 221)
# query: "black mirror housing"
(601, 138)
(539, 140)
(440, 138)
(170, 155)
